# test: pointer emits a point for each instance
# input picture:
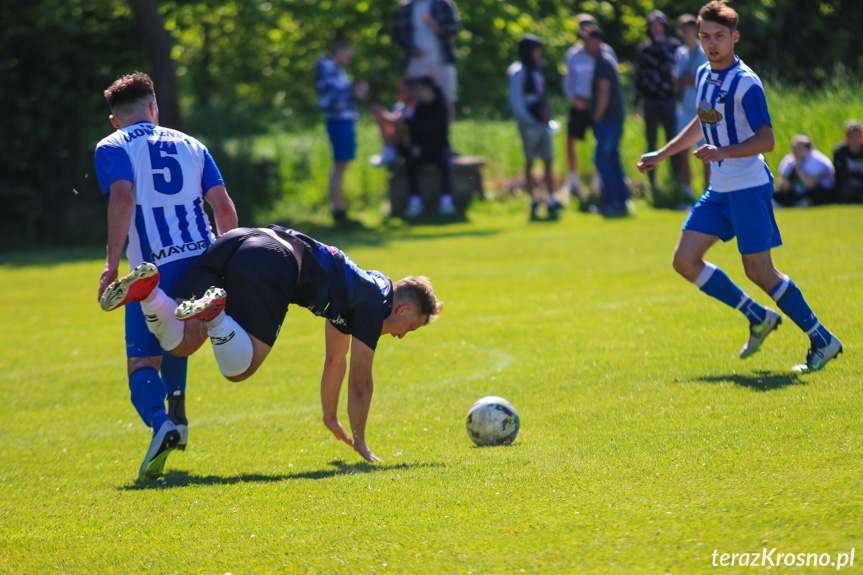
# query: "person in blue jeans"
(608, 114)
(337, 99)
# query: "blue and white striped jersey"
(170, 174)
(731, 107)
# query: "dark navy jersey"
(355, 301)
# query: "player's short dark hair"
(419, 292)
(130, 88)
(719, 12)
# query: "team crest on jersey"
(707, 114)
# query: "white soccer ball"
(492, 421)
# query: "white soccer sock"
(705, 274)
(158, 311)
(231, 345)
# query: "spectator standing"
(528, 99)
(806, 176)
(425, 30)
(607, 116)
(337, 98)
(688, 58)
(654, 83)
(429, 143)
(848, 163)
(577, 87)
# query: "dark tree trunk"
(157, 41)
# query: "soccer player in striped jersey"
(733, 119)
(156, 180)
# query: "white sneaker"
(415, 207)
(164, 442)
(445, 207)
(758, 333)
(819, 356)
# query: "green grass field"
(645, 445)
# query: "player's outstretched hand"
(648, 161)
(109, 274)
(363, 449)
(335, 426)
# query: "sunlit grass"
(646, 444)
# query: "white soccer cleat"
(817, 357)
(164, 442)
(204, 309)
(415, 207)
(445, 206)
(133, 287)
(758, 333)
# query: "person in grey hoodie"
(529, 102)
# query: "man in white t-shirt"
(425, 30)
(578, 86)
(806, 176)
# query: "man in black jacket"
(429, 136)
(848, 163)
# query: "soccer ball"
(492, 421)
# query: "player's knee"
(752, 272)
(683, 266)
(135, 364)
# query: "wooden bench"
(467, 175)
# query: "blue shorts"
(747, 214)
(139, 341)
(343, 137)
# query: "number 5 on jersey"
(160, 158)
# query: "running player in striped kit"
(733, 119)
(156, 180)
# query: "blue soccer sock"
(790, 300)
(148, 397)
(174, 374)
(716, 283)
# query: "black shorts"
(258, 273)
(579, 121)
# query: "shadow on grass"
(760, 381)
(173, 479)
(345, 237)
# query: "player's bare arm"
(121, 206)
(335, 367)
(224, 211)
(760, 142)
(687, 138)
(360, 391)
